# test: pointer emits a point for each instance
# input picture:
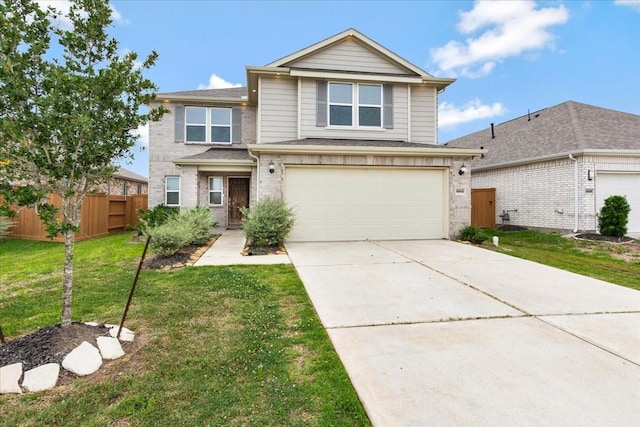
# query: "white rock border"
(81, 361)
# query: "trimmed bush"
(472, 234)
(614, 216)
(190, 227)
(5, 225)
(268, 222)
(153, 218)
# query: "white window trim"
(221, 191)
(208, 125)
(166, 191)
(355, 107)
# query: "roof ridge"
(575, 124)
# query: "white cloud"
(142, 133)
(216, 82)
(632, 4)
(63, 7)
(449, 115)
(509, 29)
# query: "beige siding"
(349, 55)
(278, 109)
(423, 115)
(310, 130)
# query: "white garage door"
(621, 184)
(343, 203)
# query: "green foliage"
(67, 111)
(5, 225)
(472, 234)
(153, 218)
(190, 227)
(614, 216)
(268, 222)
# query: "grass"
(237, 345)
(593, 259)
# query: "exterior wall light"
(589, 175)
(272, 167)
(463, 169)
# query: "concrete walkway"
(227, 250)
(439, 333)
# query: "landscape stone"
(9, 377)
(125, 335)
(92, 323)
(43, 377)
(110, 348)
(83, 360)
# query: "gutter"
(363, 150)
(576, 195)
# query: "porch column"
(188, 186)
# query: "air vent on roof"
(493, 133)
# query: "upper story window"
(208, 124)
(358, 105)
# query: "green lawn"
(234, 345)
(593, 259)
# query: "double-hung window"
(358, 105)
(172, 191)
(215, 190)
(208, 124)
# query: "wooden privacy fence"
(100, 215)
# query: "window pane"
(173, 198)
(340, 115)
(173, 183)
(341, 93)
(196, 133)
(196, 115)
(370, 94)
(221, 116)
(215, 198)
(220, 134)
(369, 116)
(215, 184)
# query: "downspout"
(576, 194)
(257, 173)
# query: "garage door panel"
(621, 184)
(366, 203)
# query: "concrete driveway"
(442, 333)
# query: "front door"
(238, 197)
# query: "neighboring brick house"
(344, 130)
(125, 183)
(556, 166)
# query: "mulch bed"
(49, 345)
(510, 227)
(602, 238)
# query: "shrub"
(5, 225)
(472, 234)
(268, 222)
(153, 218)
(614, 216)
(190, 227)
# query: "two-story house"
(344, 130)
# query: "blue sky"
(508, 56)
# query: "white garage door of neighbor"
(621, 184)
(349, 203)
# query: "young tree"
(65, 120)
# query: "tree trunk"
(67, 280)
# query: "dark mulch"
(263, 250)
(602, 238)
(49, 345)
(510, 227)
(180, 258)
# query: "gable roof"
(567, 128)
(350, 34)
(127, 175)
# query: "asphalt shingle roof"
(231, 92)
(126, 174)
(564, 128)
(220, 154)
